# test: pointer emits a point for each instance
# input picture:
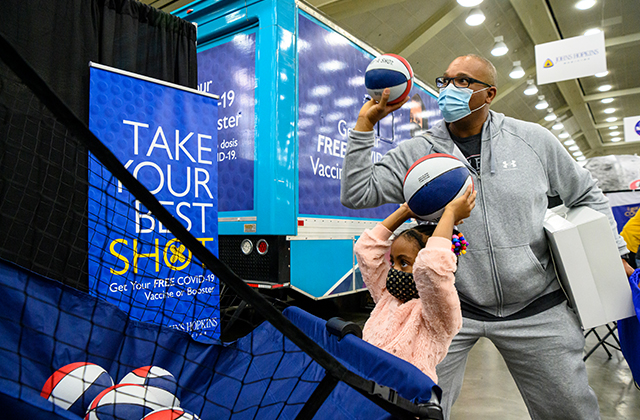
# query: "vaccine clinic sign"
(570, 58)
(166, 136)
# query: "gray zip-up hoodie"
(507, 264)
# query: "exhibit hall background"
(59, 38)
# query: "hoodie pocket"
(521, 275)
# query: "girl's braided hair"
(420, 233)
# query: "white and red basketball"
(389, 71)
(171, 413)
(432, 182)
(159, 380)
(123, 402)
(75, 385)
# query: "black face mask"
(401, 285)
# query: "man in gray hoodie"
(506, 281)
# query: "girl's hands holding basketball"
(461, 207)
(372, 112)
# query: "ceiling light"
(615, 133)
(542, 104)
(607, 100)
(500, 48)
(531, 89)
(604, 88)
(613, 127)
(592, 31)
(585, 4)
(517, 71)
(475, 17)
(569, 142)
(609, 110)
(616, 139)
(469, 3)
(574, 148)
(604, 73)
(551, 116)
(580, 158)
(557, 126)
(611, 119)
(578, 153)
(563, 135)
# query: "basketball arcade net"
(45, 166)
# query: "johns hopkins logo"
(637, 128)
(548, 63)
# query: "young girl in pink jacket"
(417, 310)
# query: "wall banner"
(165, 136)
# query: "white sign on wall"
(632, 128)
(570, 58)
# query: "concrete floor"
(489, 392)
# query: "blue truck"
(290, 84)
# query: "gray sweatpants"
(544, 356)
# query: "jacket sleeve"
(371, 249)
(364, 184)
(433, 272)
(575, 185)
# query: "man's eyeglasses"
(461, 82)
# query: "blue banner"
(166, 137)
(331, 92)
(228, 70)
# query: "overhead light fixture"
(469, 3)
(585, 4)
(517, 71)
(616, 139)
(475, 17)
(580, 158)
(564, 135)
(531, 89)
(574, 148)
(614, 133)
(609, 110)
(542, 104)
(557, 126)
(578, 153)
(604, 88)
(499, 48)
(551, 116)
(607, 100)
(604, 73)
(569, 142)
(611, 119)
(592, 31)
(613, 127)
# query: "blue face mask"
(454, 102)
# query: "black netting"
(49, 164)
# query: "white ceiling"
(431, 33)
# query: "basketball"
(389, 71)
(123, 402)
(171, 413)
(75, 385)
(161, 382)
(432, 182)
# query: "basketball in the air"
(159, 380)
(389, 71)
(171, 413)
(123, 402)
(432, 182)
(75, 385)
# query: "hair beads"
(459, 244)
